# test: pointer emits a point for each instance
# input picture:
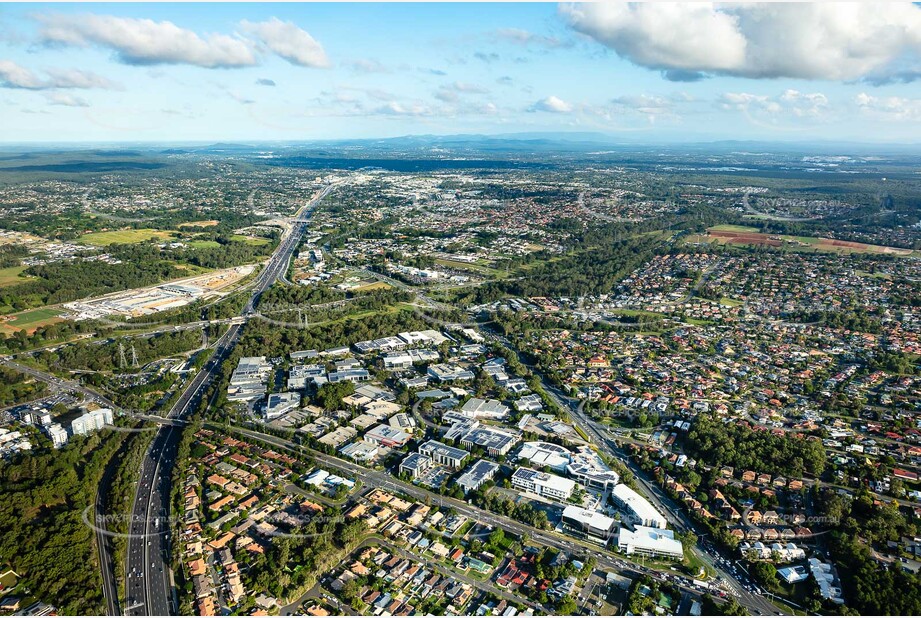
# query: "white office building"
(444, 454)
(278, 404)
(484, 408)
(647, 541)
(541, 454)
(91, 421)
(543, 484)
(637, 509)
(592, 523)
(477, 474)
(57, 434)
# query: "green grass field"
(10, 276)
(466, 266)
(30, 319)
(733, 228)
(204, 244)
(123, 237)
(250, 240)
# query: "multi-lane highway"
(147, 567)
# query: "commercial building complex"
(543, 484)
(647, 541)
(638, 509)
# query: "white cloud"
(551, 104)
(67, 100)
(450, 93)
(144, 41)
(645, 104)
(525, 38)
(790, 103)
(13, 75)
(834, 41)
(805, 105)
(889, 108)
(77, 78)
(468, 88)
(288, 41)
(743, 101)
(394, 108)
(365, 65)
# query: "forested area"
(230, 253)
(870, 589)
(22, 340)
(141, 264)
(740, 446)
(15, 389)
(261, 338)
(105, 357)
(62, 282)
(299, 295)
(42, 500)
(11, 255)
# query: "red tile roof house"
(904, 474)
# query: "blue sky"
(189, 72)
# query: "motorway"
(147, 568)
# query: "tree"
(331, 394)
(766, 573)
(566, 606)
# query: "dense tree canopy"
(740, 446)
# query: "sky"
(641, 72)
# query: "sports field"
(204, 244)
(123, 237)
(29, 320)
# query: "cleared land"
(10, 276)
(472, 266)
(250, 240)
(739, 235)
(209, 223)
(124, 237)
(377, 285)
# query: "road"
(673, 512)
(383, 480)
(434, 304)
(147, 566)
(60, 384)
